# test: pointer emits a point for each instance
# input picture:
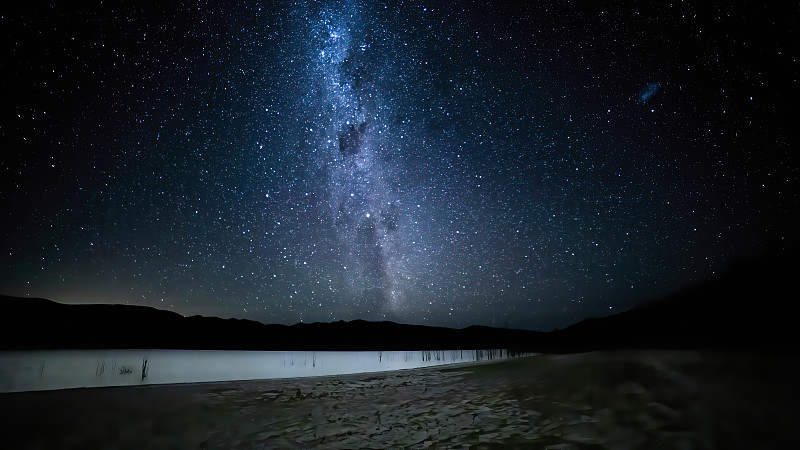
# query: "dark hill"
(33, 323)
(746, 307)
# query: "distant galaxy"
(451, 164)
(648, 91)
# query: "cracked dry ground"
(596, 400)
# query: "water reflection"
(62, 369)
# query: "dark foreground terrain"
(633, 399)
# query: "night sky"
(440, 163)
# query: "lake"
(64, 369)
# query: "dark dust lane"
(596, 400)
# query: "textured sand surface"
(596, 400)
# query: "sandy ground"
(621, 400)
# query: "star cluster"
(445, 163)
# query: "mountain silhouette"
(745, 307)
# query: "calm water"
(62, 369)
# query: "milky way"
(354, 142)
(456, 164)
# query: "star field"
(440, 163)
